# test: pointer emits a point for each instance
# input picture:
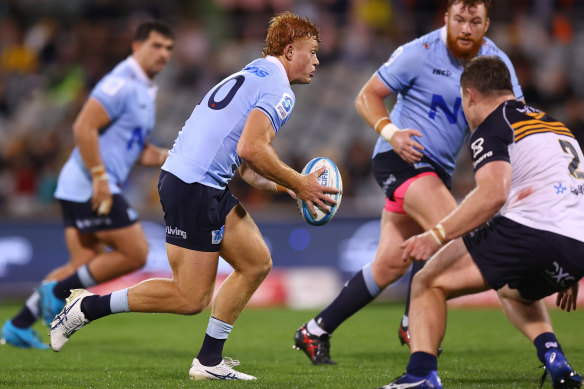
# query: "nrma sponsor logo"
(176, 232)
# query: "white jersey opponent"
(547, 182)
(206, 148)
(426, 78)
(127, 95)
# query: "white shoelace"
(231, 362)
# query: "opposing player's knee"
(420, 282)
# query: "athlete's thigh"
(194, 272)
(243, 246)
(428, 200)
(129, 240)
(453, 270)
(82, 247)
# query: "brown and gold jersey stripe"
(536, 126)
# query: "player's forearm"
(258, 181)
(474, 211)
(152, 156)
(265, 162)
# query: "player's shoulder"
(415, 53)
(490, 48)
(268, 76)
(121, 79)
(112, 84)
(517, 111)
(425, 43)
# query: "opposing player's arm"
(152, 155)
(482, 203)
(259, 182)
(255, 148)
(493, 181)
(86, 128)
(369, 104)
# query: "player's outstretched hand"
(419, 247)
(313, 193)
(566, 299)
(406, 147)
(101, 201)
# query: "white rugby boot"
(70, 320)
(223, 371)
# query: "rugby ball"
(331, 177)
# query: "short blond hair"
(284, 29)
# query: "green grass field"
(481, 350)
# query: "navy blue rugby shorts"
(535, 262)
(194, 213)
(391, 171)
(82, 217)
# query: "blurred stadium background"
(52, 52)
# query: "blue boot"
(51, 305)
(560, 372)
(21, 337)
(431, 381)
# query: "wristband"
(441, 232)
(435, 235)
(388, 131)
(97, 170)
(100, 177)
(379, 122)
(281, 189)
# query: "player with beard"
(414, 157)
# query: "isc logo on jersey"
(284, 107)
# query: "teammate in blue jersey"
(111, 136)
(520, 231)
(414, 157)
(230, 130)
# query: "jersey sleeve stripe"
(537, 122)
(519, 131)
(269, 116)
(394, 90)
(540, 130)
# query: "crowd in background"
(52, 52)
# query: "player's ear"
(472, 95)
(487, 24)
(446, 17)
(288, 51)
(136, 46)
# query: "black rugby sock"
(211, 353)
(63, 288)
(94, 307)
(352, 298)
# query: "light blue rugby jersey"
(127, 95)
(426, 78)
(205, 150)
